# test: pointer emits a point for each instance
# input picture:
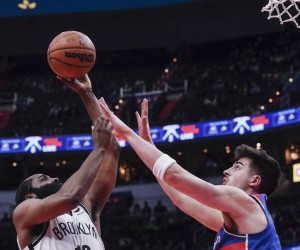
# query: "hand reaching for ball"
(78, 85)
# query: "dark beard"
(47, 190)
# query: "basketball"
(71, 54)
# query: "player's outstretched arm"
(83, 87)
(105, 179)
(206, 193)
(36, 211)
(207, 216)
(104, 182)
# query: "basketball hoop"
(284, 10)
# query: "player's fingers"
(107, 123)
(106, 111)
(138, 117)
(145, 107)
(87, 78)
(82, 78)
(104, 103)
(76, 81)
(96, 125)
(145, 121)
(101, 121)
(63, 80)
(115, 133)
(110, 127)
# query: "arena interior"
(202, 64)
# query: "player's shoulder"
(233, 189)
(22, 207)
(241, 197)
(22, 210)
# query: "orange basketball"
(71, 54)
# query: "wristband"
(161, 165)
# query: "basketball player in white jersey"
(55, 216)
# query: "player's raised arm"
(166, 169)
(33, 210)
(83, 87)
(209, 217)
(105, 179)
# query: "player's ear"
(30, 196)
(255, 180)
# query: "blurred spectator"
(146, 211)
(160, 211)
(6, 218)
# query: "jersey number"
(84, 247)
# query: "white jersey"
(71, 231)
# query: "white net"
(284, 10)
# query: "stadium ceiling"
(10, 8)
(166, 26)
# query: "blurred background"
(216, 73)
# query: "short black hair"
(263, 164)
(24, 188)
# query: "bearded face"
(47, 189)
